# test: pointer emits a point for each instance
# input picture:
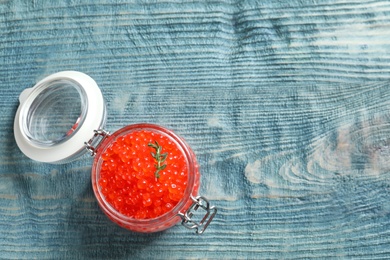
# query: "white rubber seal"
(73, 145)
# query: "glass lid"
(57, 116)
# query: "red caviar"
(145, 177)
(130, 180)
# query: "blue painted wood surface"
(285, 103)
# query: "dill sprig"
(160, 158)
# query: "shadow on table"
(95, 236)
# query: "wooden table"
(285, 103)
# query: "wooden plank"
(285, 105)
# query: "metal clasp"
(203, 203)
(96, 140)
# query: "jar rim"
(126, 220)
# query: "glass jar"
(63, 116)
(163, 221)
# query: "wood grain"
(286, 106)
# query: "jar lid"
(57, 116)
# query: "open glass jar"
(144, 176)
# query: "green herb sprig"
(160, 158)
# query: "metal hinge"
(96, 140)
(198, 203)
